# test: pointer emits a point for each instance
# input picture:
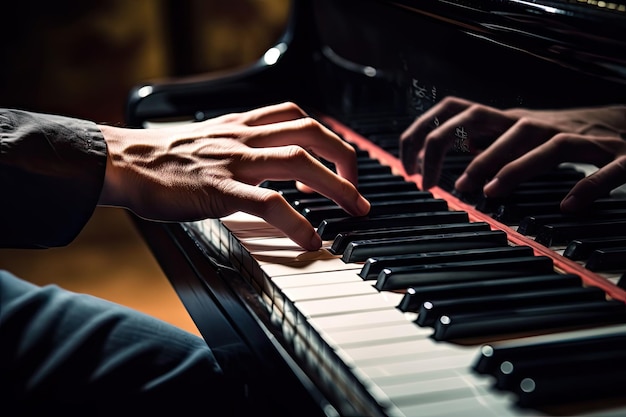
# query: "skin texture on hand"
(212, 168)
(515, 144)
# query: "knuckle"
(297, 153)
(272, 199)
(525, 122)
(293, 109)
(309, 124)
(452, 101)
(563, 140)
(270, 202)
(475, 111)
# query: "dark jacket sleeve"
(51, 174)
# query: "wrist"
(112, 188)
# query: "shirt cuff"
(51, 174)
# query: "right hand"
(515, 144)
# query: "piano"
(436, 304)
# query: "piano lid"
(586, 35)
(407, 54)
(499, 52)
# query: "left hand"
(512, 145)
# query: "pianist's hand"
(212, 169)
(515, 144)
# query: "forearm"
(51, 174)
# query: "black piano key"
(387, 187)
(572, 387)
(558, 174)
(547, 184)
(343, 239)
(452, 167)
(279, 185)
(580, 249)
(490, 205)
(563, 233)
(384, 177)
(400, 278)
(530, 225)
(292, 194)
(388, 142)
(416, 296)
(511, 373)
(432, 309)
(373, 197)
(609, 203)
(491, 356)
(330, 228)
(374, 265)
(315, 215)
(558, 180)
(519, 320)
(621, 282)
(359, 251)
(607, 260)
(456, 162)
(373, 167)
(363, 158)
(513, 213)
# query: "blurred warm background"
(80, 58)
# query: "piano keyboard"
(429, 307)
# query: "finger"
(471, 130)
(294, 163)
(412, 139)
(276, 113)
(272, 207)
(563, 147)
(312, 136)
(256, 117)
(596, 185)
(520, 138)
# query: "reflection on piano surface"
(435, 304)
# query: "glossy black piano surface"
(368, 68)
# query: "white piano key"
(424, 366)
(264, 247)
(334, 306)
(328, 285)
(479, 406)
(315, 279)
(371, 336)
(279, 264)
(421, 392)
(394, 352)
(361, 320)
(240, 221)
(331, 290)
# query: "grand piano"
(465, 306)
